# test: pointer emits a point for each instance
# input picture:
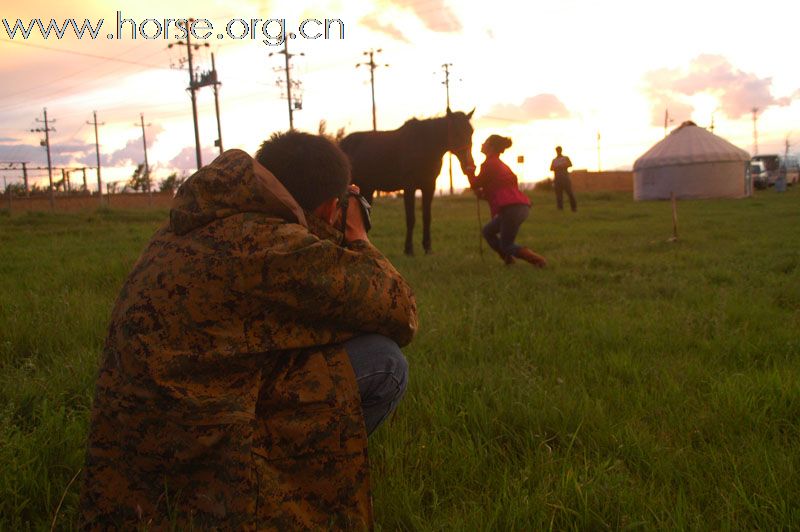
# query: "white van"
(757, 171)
(773, 166)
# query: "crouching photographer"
(252, 349)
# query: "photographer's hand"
(355, 229)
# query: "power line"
(68, 168)
(51, 95)
(84, 54)
(28, 90)
(24, 173)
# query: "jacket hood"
(233, 183)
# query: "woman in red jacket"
(497, 184)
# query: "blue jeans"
(501, 230)
(381, 373)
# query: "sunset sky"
(541, 73)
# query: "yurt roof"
(690, 144)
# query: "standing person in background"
(560, 168)
(497, 184)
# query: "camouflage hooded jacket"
(225, 399)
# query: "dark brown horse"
(410, 159)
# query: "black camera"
(364, 207)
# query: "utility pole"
(755, 131)
(598, 151)
(146, 165)
(446, 84)
(216, 102)
(97, 152)
(666, 121)
(786, 151)
(286, 56)
(293, 104)
(47, 129)
(193, 86)
(446, 81)
(372, 66)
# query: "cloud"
(435, 14)
(60, 154)
(371, 22)
(539, 107)
(8, 139)
(187, 159)
(23, 152)
(79, 153)
(736, 91)
(132, 152)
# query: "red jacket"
(498, 185)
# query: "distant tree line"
(136, 183)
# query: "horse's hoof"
(429, 251)
(409, 252)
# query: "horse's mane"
(427, 131)
(414, 120)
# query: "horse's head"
(459, 139)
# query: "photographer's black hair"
(311, 167)
(498, 143)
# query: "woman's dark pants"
(501, 231)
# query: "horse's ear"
(449, 112)
(469, 116)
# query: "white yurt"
(691, 163)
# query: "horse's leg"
(427, 199)
(408, 200)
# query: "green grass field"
(634, 383)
